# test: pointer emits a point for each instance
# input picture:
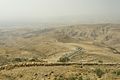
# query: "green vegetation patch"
(64, 59)
(99, 72)
(116, 72)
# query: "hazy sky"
(73, 11)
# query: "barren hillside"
(87, 43)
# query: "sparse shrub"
(59, 78)
(20, 75)
(99, 72)
(8, 77)
(64, 59)
(117, 72)
(87, 79)
(80, 78)
(72, 78)
(100, 61)
(17, 59)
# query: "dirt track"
(29, 64)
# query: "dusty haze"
(59, 11)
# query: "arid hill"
(86, 43)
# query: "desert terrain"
(60, 52)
